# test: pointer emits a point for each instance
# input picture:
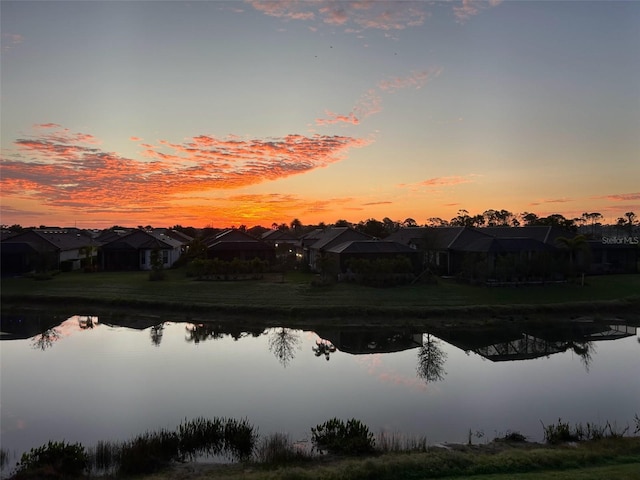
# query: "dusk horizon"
(257, 113)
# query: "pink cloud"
(58, 168)
(337, 118)
(415, 80)
(353, 16)
(135, 139)
(443, 181)
(469, 8)
(620, 197)
(553, 200)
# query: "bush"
(55, 460)
(334, 436)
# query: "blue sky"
(229, 113)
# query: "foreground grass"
(610, 458)
(295, 296)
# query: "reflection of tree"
(46, 339)
(584, 350)
(156, 334)
(323, 347)
(86, 323)
(201, 332)
(431, 359)
(283, 343)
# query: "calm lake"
(89, 378)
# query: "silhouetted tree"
(372, 227)
(437, 222)
(573, 245)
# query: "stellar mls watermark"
(620, 240)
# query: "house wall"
(170, 257)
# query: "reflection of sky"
(110, 383)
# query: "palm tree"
(573, 245)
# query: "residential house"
(134, 250)
(341, 254)
(235, 243)
(284, 241)
(46, 249)
(442, 247)
(313, 245)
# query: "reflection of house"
(45, 249)
(371, 340)
(135, 250)
(503, 344)
(235, 243)
(314, 244)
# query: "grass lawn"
(604, 459)
(629, 471)
(297, 292)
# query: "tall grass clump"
(152, 451)
(201, 436)
(337, 437)
(562, 432)
(4, 458)
(239, 438)
(149, 452)
(396, 443)
(277, 449)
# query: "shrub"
(60, 459)
(334, 436)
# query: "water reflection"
(323, 348)
(45, 339)
(431, 358)
(156, 333)
(283, 343)
(497, 342)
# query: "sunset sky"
(230, 113)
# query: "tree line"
(588, 222)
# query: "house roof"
(235, 240)
(279, 235)
(139, 240)
(371, 246)
(505, 245)
(62, 239)
(183, 238)
(331, 237)
(543, 233)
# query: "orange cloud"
(64, 169)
